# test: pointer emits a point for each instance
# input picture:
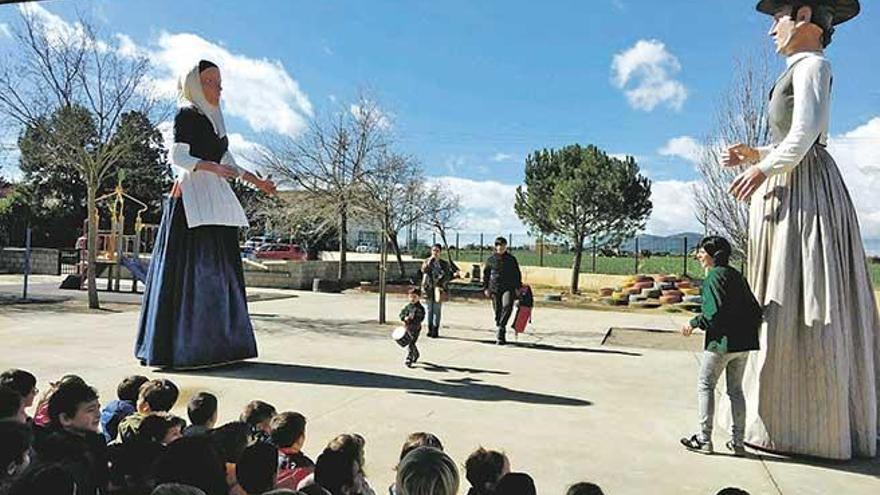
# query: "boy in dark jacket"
(412, 316)
(731, 318)
(502, 279)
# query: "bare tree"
(73, 72)
(330, 160)
(740, 118)
(392, 192)
(441, 208)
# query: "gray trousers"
(734, 365)
(434, 309)
(502, 303)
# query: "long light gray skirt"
(813, 387)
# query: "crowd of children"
(134, 446)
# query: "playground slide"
(138, 269)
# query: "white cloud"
(646, 72)
(259, 91)
(56, 29)
(501, 157)
(383, 118)
(487, 206)
(683, 147)
(246, 152)
(857, 154)
(674, 208)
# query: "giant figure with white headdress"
(194, 311)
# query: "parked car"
(281, 252)
(258, 241)
(248, 253)
(367, 248)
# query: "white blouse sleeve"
(180, 157)
(812, 88)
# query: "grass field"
(617, 266)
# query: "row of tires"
(646, 291)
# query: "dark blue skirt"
(194, 310)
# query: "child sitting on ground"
(483, 469)
(202, 412)
(414, 441)
(158, 395)
(41, 415)
(125, 405)
(289, 436)
(23, 382)
(161, 427)
(72, 437)
(730, 317)
(258, 415)
(412, 316)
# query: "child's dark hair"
(155, 426)
(159, 394)
(483, 468)
(201, 408)
(584, 488)
(10, 402)
(287, 428)
(257, 468)
(230, 440)
(257, 411)
(414, 291)
(438, 246)
(68, 398)
(335, 470)
(21, 381)
(516, 483)
(419, 439)
(192, 461)
(129, 388)
(718, 248)
(732, 491)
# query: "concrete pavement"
(563, 406)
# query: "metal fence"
(642, 254)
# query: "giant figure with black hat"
(813, 387)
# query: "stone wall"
(43, 261)
(561, 277)
(300, 274)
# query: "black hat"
(843, 10)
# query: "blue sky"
(473, 86)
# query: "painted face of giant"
(211, 85)
(785, 29)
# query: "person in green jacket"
(730, 317)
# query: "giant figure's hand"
(739, 154)
(746, 183)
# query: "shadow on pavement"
(548, 347)
(466, 389)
